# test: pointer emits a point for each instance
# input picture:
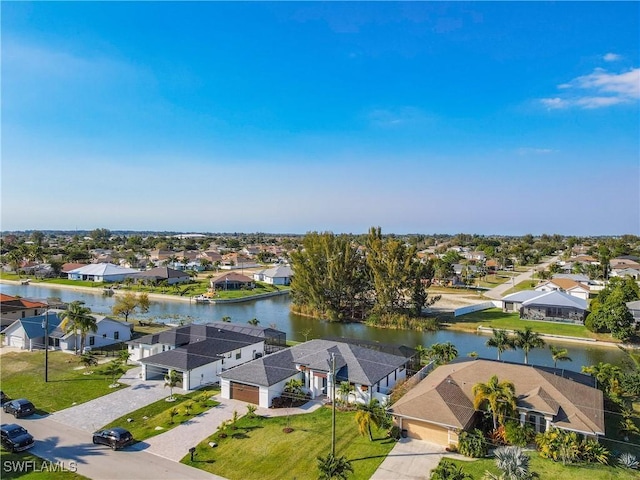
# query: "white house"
(370, 372)
(101, 272)
(29, 334)
(280, 275)
(200, 353)
(567, 285)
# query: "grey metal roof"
(521, 296)
(556, 298)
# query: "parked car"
(113, 437)
(19, 408)
(15, 438)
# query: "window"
(92, 340)
(104, 335)
(116, 335)
(239, 355)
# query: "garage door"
(15, 341)
(426, 432)
(245, 393)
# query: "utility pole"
(45, 326)
(333, 404)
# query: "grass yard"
(25, 466)
(157, 413)
(22, 375)
(269, 453)
(496, 318)
(550, 470)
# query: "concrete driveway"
(412, 459)
(95, 413)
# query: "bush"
(628, 460)
(394, 432)
(518, 435)
(472, 444)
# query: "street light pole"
(333, 404)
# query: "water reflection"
(275, 311)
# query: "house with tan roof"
(565, 285)
(14, 308)
(441, 405)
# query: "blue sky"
(506, 117)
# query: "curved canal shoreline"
(152, 296)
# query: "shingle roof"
(192, 333)
(280, 271)
(577, 406)
(357, 364)
(160, 273)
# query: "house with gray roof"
(441, 405)
(199, 352)
(554, 305)
(279, 275)
(370, 372)
(160, 274)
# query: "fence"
(475, 308)
(420, 375)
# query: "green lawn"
(267, 452)
(526, 285)
(550, 470)
(157, 413)
(25, 466)
(22, 375)
(495, 318)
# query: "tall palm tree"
(253, 321)
(77, 319)
(527, 340)
(443, 352)
(501, 341)
(345, 390)
(559, 354)
(500, 396)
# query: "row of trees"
(339, 279)
(525, 340)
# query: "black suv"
(19, 408)
(114, 437)
(15, 438)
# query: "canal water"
(275, 311)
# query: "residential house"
(441, 405)
(567, 285)
(634, 308)
(200, 353)
(101, 272)
(161, 274)
(553, 305)
(14, 308)
(232, 281)
(371, 373)
(29, 333)
(280, 275)
(626, 272)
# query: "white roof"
(278, 272)
(102, 270)
(556, 298)
(521, 296)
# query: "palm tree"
(334, 468)
(368, 414)
(253, 321)
(443, 352)
(501, 397)
(226, 319)
(88, 360)
(113, 369)
(171, 380)
(527, 340)
(77, 319)
(559, 354)
(448, 471)
(422, 352)
(501, 341)
(86, 324)
(345, 390)
(513, 463)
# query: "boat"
(201, 299)
(25, 282)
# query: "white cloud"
(611, 57)
(597, 90)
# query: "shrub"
(518, 435)
(394, 432)
(628, 460)
(472, 444)
(251, 410)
